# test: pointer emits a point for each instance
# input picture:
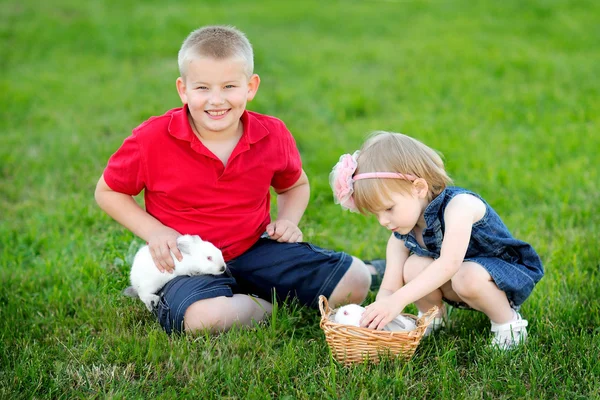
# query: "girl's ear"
(420, 188)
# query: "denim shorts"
(287, 270)
(510, 277)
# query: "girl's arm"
(460, 215)
(395, 256)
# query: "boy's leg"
(300, 270)
(222, 313)
(206, 302)
(377, 270)
(354, 285)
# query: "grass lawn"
(508, 91)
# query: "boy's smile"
(216, 114)
(216, 92)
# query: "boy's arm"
(123, 208)
(395, 257)
(460, 215)
(291, 204)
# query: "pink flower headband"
(342, 180)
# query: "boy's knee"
(203, 315)
(221, 313)
(354, 285)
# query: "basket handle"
(323, 305)
(428, 317)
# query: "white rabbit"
(350, 315)
(199, 257)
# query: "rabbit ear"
(184, 244)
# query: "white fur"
(350, 315)
(199, 257)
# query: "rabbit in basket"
(350, 315)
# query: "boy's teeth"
(216, 113)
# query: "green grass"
(507, 91)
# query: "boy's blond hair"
(219, 42)
(395, 152)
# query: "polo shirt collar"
(254, 129)
(179, 126)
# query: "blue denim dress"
(513, 264)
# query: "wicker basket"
(350, 344)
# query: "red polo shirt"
(187, 187)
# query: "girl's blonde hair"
(395, 152)
(219, 42)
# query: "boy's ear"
(181, 90)
(253, 85)
(420, 188)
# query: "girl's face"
(403, 211)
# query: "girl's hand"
(283, 230)
(381, 313)
(161, 243)
(383, 293)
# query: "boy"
(206, 168)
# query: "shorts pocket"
(317, 249)
(162, 311)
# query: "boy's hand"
(381, 313)
(161, 244)
(283, 230)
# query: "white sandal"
(509, 335)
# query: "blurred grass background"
(507, 91)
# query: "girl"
(447, 244)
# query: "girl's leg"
(221, 313)
(474, 285)
(413, 266)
